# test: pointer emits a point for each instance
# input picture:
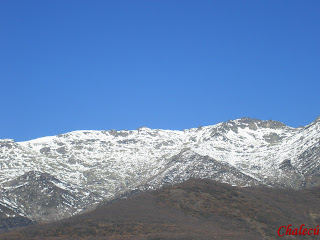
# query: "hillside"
(195, 209)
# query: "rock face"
(11, 219)
(54, 177)
(44, 197)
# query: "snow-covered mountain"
(54, 177)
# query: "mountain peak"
(251, 123)
(260, 123)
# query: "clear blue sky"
(173, 64)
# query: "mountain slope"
(195, 209)
(9, 219)
(91, 166)
(44, 197)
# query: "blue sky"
(171, 64)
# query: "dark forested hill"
(195, 209)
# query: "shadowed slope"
(195, 209)
(10, 219)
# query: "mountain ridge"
(94, 166)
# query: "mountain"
(197, 209)
(55, 177)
